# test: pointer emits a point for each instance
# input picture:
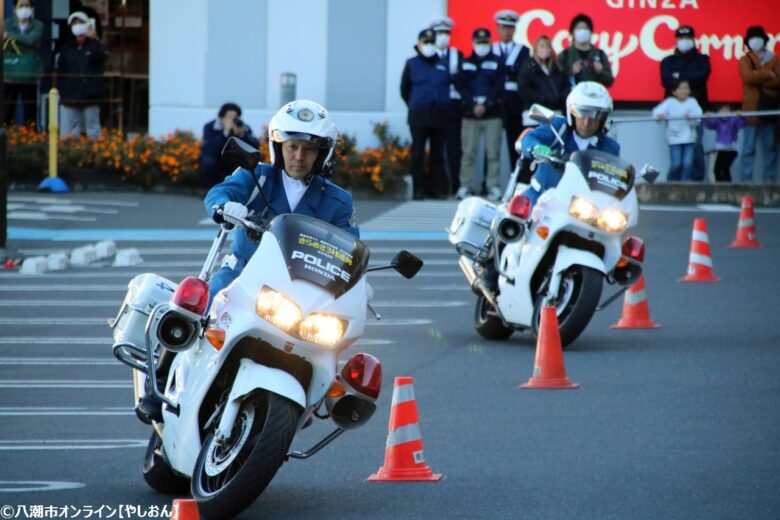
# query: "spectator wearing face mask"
(582, 61)
(212, 168)
(22, 38)
(425, 87)
(452, 58)
(688, 64)
(79, 69)
(760, 71)
(481, 84)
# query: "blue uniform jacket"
(546, 176)
(323, 200)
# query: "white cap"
(442, 24)
(81, 15)
(507, 17)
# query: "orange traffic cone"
(746, 228)
(404, 459)
(549, 371)
(700, 260)
(636, 311)
(185, 509)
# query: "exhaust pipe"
(477, 285)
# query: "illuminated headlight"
(583, 210)
(275, 308)
(321, 329)
(613, 221)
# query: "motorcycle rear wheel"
(158, 474)
(227, 479)
(579, 294)
(489, 326)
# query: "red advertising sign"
(635, 34)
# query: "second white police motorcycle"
(261, 365)
(574, 240)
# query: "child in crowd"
(726, 132)
(681, 133)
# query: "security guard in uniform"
(480, 83)
(514, 56)
(452, 58)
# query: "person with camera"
(582, 61)
(216, 132)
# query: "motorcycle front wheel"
(487, 323)
(578, 296)
(228, 478)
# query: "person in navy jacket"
(425, 87)
(302, 138)
(216, 132)
(587, 108)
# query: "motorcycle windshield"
(319, 252)
(605, 172)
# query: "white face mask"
(582, 36)
(482, 49)
(756, 43)
(442, 40)
(24, 13)
(685, 44)
(79, 29)
(428, 50)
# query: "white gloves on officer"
(235, 210)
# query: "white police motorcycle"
(573, 242)
(261, 365)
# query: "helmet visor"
(587, 112)
(280, 136)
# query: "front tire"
(227, 479)
(487, 323)
(158, 474)
(579, 294)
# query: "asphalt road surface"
(679, 422)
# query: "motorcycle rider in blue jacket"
(587, 107)
(302, 139)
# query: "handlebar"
(240, 222)
(551, 158)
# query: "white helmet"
(588, 99)
(308, 121)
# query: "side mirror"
(541, 114)
(406, 263)
(649, 174)
(239, 153)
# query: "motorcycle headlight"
(275, 308)
(583, 210)
(613, 221)
(322, 329)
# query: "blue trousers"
(764, 135)
(681, 167)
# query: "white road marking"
(26, 486)
(70, 288)
(70, 444)
(397, 322)
(63, 383)
(59, 200)
(58, 361)
(29, 215)
(75, 208)
(418, 303)
(32, 341)
(46, 411)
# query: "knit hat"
(685, 31)
(756, 31)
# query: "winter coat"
(537, 86)
(571, 55)
(692, 66)
(755, 77)
(425, 87)
(80, 69)
(480, 81)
